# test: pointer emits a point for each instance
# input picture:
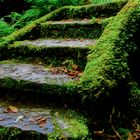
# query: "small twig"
(113, 112)
(116, 132)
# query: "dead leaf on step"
(74, 74)
(11, 109)
(35, 119)
(42, 122)
(58, 70)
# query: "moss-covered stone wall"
(108, 65)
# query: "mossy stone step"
(36, 123)
(69, 29)
(34, 73)
(38, 80)
(49, 50)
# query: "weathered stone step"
(72, 43)
(35, 74)
(49, 50)
(39, 81)
(69, 29)
(36, 123)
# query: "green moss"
(76, 128)
(108, 62)
(11, 133)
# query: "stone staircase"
(39, 78)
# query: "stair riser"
(45, 53)
(89, 31)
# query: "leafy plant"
(5, 29)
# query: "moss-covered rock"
(108, 62)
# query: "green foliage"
(40, 8)
(5, 29)
(124, 133)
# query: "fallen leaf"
(74, 74)
(130, 137)
(35, 119)
(98, 132)
(58, 70)
(135, 135)
(39, 120)
(42, 122)
(11, 109)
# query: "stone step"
(83, 28)
(37, 123)
(34, 73)
(39, 81)
(49, 50)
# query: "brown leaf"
(130, 137)
(42, 122)
(58, 70)
(74, 74)
(98, 132)
(11, 109)
(135, 135)
(35, 119)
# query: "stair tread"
(35, 73)
(43, 121)
(61, 42)
(71, 21)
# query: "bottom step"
(33, 123)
